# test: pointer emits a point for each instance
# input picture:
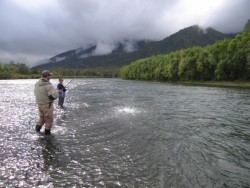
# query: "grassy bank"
(36, 76)
(238, 84)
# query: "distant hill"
(85, 58)
(81, 53)
(186, 38)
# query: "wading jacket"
(44, 92)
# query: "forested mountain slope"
(226, 60)
(185, 38)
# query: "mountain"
(81, 53)
(86, 58)
(186, 38)
(72, 54)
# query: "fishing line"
(68, 82)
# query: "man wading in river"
(45, 95)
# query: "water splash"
(127, 110)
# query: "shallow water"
(117, 133)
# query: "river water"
(118, 133)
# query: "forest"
(21, 71)
(226, 60)
(16, 70)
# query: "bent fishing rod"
(64, 85)
(68, 82)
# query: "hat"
(46, 73)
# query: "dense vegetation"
(226, 60)
(16, 70)
(103, 72)
(21, 71)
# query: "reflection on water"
(116, 133)
(51, 153)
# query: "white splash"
(127, 110)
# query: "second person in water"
(62, 92)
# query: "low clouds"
(35, 30)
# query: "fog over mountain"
(32, 31)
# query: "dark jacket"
(59, 87)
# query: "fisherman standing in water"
(62, 91)
(45, 95)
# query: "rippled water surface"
(117, 133)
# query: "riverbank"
(238, 84)
(37, 76)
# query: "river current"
(119, 133)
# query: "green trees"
(105, 72)
(226, 60)
(11, 70)
(21, 71)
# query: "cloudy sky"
(34, 30)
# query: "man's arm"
(52, 93)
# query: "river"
(119, 133)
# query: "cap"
(60, 79)
(46, 73)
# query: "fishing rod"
(68, 82)
(64, 85)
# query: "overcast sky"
(34, 30)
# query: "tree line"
(226, 60)
(21, 71)
(101, 72)
(16, 70)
